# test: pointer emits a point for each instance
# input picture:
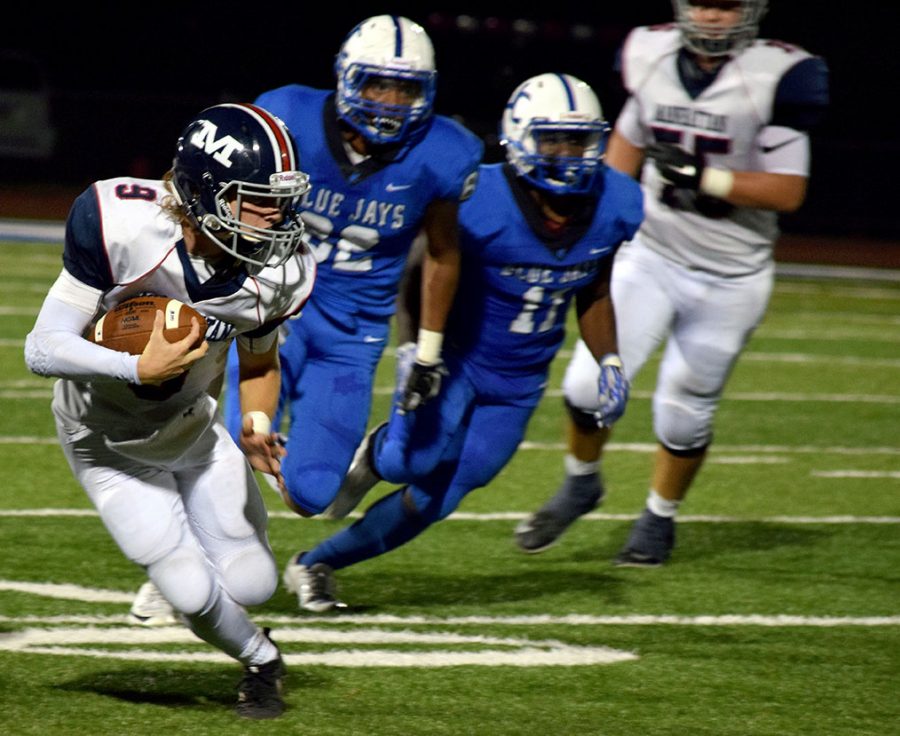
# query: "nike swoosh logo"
(595, 251)
(372, 338)
(397, 187)
(769, 149)
(685, 170)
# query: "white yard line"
(35, 391)
(134, 634)
(518, 515)
(894, 475)
(848, 360)
(638, 447)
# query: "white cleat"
(314, 585)
(150, 608)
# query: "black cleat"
(650, 543)
(259, 691)
(577, 496)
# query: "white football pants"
(196, 524)
(705, 321)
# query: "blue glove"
(613, 389)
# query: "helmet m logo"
(220, 149)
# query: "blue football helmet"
(386, 51)
(554, 133)
(713, 40)
(230, 153)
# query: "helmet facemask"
(716, 40)
(260, 246)
(385, 122)
(563, 157)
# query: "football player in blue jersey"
(539, 232)
(218, 232)
(383, 167)
(723, 116)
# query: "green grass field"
(779, 613)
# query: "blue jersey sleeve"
(271, 100)
(84, 254)
(801, 98)
(455, 154)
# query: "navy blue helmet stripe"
(569, 94)
(398, 37)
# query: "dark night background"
(125, 78)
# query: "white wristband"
(428, 347)
(611, 359)
(717, 182)
(260, 420)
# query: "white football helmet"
(547, 118)
(709, 40)
(392, 48)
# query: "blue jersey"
(517, 279)
(362, 219)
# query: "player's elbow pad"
(36, 357)
(60, 353)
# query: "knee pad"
(396, 457)
(249, 576)
(683, 425)
(581, 379)
(313, 489)
(693, 452)
(184, 578)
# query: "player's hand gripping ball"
(127, 327)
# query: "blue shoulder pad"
(84, 254)
(802, 95)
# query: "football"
(127, 327)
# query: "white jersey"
(732, 123)
(120, 241)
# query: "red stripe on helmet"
(277, 127)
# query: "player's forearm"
(259, 392)
(440, 277)
(597, 324)
(779, 192)
(55, 347)
(624, 156)
(259, 381)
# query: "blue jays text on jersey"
(366, 212)
(362, 218)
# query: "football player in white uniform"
(142, 433)
(723, 116)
